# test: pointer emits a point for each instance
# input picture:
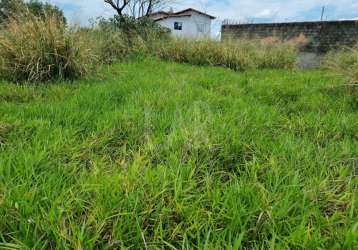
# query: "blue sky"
(80, 11)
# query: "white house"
(189, 23)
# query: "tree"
(133, 19)
(40, 9)
(7, 7)
(141, 8)
(137, 8)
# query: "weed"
(344, 62)
(40, 49)
(237, 54)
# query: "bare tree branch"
(137, 8)
(149, 7)
(118, 5)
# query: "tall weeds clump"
(344, 62)
(236, 54)
(109, 45)
(116, 40)
(38, 49)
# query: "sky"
(257, 11)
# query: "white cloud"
(266, 13)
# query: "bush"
(143, 27)
(114, 43)
(38, 49)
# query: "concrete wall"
(322, 36)
(194, 26)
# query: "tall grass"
(114, 44)
(109, 45)
(236, 54)
(42, 49)
(344, 62)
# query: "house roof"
(159, 13)
(183, 13)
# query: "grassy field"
(151, 155)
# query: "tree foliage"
(40, 9)
(7, 7)
(133, 26)
(132, 16)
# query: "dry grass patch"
(42, 49)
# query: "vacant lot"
(161, 155)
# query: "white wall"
(202, 24)
(195, 26)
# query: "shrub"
(126, 36)
(113, 43)
(38, 49)
(144, 27)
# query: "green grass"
(151, 155)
